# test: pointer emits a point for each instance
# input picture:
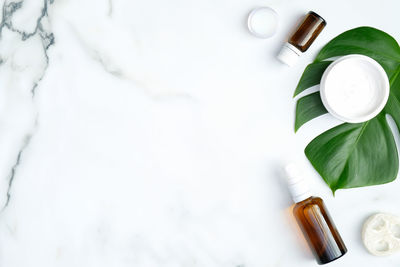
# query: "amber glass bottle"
(314, 220)
(319, 230)
(302, 38)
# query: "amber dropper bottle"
(302, 38)
(314, 220)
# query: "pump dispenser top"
(298, 186)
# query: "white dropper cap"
(298, 186)
(289, 54)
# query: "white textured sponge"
(381, 234)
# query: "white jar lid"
(262, 22)
(354, 88)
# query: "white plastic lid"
(289, 54)
(262, 22)
(354, 88)
(298, 187)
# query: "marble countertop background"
(151, 133)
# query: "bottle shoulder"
(311, 201)
(316, 199)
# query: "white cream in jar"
(354, 88)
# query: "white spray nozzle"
(298, 186)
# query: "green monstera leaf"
(360, 154)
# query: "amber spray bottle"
(314, 220)
(302, 38)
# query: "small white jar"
(262, 22)
(354, 88)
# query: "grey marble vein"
(47, 40)
(8, 10)
(14, 168)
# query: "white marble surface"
(150, 133)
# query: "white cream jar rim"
(378, 74)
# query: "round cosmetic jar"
(354, 88)
(262, 22)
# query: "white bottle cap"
(289, 54)
(298, 187)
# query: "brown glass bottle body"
(319, 230)
(307, 31)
